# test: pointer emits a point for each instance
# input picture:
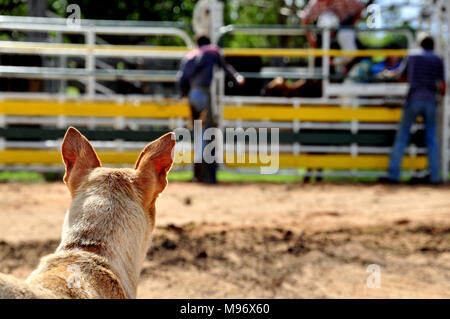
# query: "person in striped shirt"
(426, 79)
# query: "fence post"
(325, 61)
(445, 134)
(90, 64)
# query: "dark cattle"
(300, 88)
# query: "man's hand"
(388, 75)
(443, 88)
(240, 80)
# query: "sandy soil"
(263, 240)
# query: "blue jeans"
(410, 113)
(198, 98)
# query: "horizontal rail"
(32, 24)
(177, 52)
(181, 122)
(266, 52)
(50, 157)
(300, 125)
(308, 137)
(63, 121)
(371, 89)
(33, 21)
(279, 29)
(361, 138)
(299, 101)
(295, 149)
(75, 74)
(334, 161)
(237, 100)
(95, 109)
(313, 113)
(58, 73)
(63, 49)
(174, 109)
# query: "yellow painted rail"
(169, 109)
(53, 157)
(313, 113)
(311, 52)
(333, 161)
(179, 109)
(176, 51)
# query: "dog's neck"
(123, 238)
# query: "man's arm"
(240, 80)
(310, 13)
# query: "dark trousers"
(200, 103)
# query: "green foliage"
(243, 12)
(13, 7)
(132, 10)
(374, 40)
(58, 6)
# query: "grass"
(26, 177)
(240, 177)
(235, 177)
(184, 176)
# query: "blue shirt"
(197, 68)
(424, 71)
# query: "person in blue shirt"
(426, 77)
(195, 78)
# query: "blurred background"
(89, 64)
(110, 68)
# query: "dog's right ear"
(79, 157)
(152, 167)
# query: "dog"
(107, 229)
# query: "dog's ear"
(153, 164)
(79, 157)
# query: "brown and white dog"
(107, 229)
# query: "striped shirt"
(343, 9)
(424, 71)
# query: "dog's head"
(110, 204)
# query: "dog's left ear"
(154, 163)
(79, 157)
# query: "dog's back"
(12, 288)
(72, 274)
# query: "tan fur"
(107, 229)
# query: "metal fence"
(348, 131)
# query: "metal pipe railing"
(109, 27)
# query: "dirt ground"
(263, 240)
